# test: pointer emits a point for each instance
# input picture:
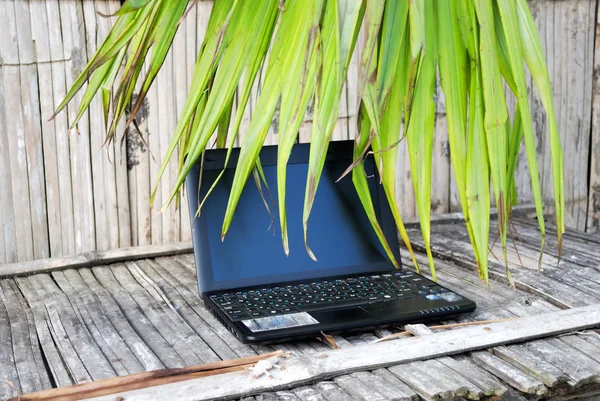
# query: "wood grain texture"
(300, 369)
(8, 243)
(16, 142)
(117, 318)
(56, 361)
(163, 347)
(8, 368)
(509, 374)
(104, 306)
(61, 124)
(94, 258)
(74, 54)
(186, 309)
(593, 213)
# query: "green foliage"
(304, 48)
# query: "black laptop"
(262, 295)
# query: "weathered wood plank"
(139, 347)
(305, 368)
(66, 322)
(532, 364)
(550, 289)
(577, 259)
(56, 362)
(580, 368)
(287, 396)
(443, 372)
(379, 384)
(161, 346)
(139, 166)
(426, 385)
(488, 384)
(73, 285)
(59, 90)
(41, 365)
(593, 212)
(102, 190)
(266, 397)
(333, 392)
(509, 373)
(309, 394)
(184, 58)
(556, 280)
(165, 128)
(94, 258)
(111, 159)
(303, 347)
(74, 54)
(41, 37)
(358, 390)
(91, 329)
(191, 297)
(30, 104)
(30, 378)
(460, 384)
(183, 270)
(155, 149)
(187, 312)
(16, 142)
(581, 345)
(164, 313)
(389, 378)
(8, 243)
(8, 368)
(475, 389)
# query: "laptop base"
(286, 311)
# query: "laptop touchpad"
(341, 315)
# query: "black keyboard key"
(326, 294)
(240, 316)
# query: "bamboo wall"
(64, 193)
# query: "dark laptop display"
(263, 295)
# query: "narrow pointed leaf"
(534, 56)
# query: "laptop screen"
(339, 233)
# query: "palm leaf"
(496, 113)
(327, 95)
(420, 132)
(305, 47)
(534, 56)
(478, 176)
(452, 58)
(508, 15)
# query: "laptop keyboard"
(325, 294)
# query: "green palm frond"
(301, 49)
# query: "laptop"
(262, 295)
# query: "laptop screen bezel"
(214, 159)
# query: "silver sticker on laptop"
(450, 296)
(280, 322)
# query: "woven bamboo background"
(62, 194)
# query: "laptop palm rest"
(354, 313)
